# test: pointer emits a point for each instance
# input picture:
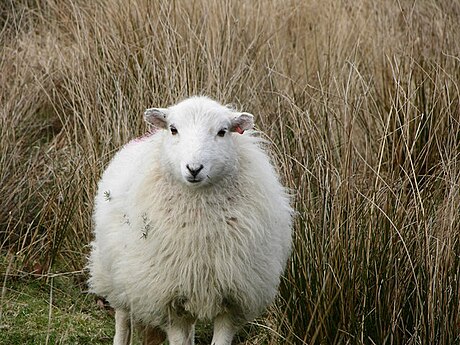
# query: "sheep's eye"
(173, 130)
(221, 133)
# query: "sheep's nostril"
(194, 169)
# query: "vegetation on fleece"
(360, 101)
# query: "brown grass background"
(360, 99)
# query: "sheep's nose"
(194, 168)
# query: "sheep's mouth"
(193, 179)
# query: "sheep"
(191, 222)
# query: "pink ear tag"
(239, 130)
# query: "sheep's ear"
(242, 122)
(156, 117)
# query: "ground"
(55, 311)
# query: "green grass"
(57, 311)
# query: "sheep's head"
(199, 139)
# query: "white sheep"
(191, 223)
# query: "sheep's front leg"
(122, 328)
(181, 331)
(224, 330)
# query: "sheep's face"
(199, 144)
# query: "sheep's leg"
(224, 330)
(122, 328)
(181, 331)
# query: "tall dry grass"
(360, 99)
